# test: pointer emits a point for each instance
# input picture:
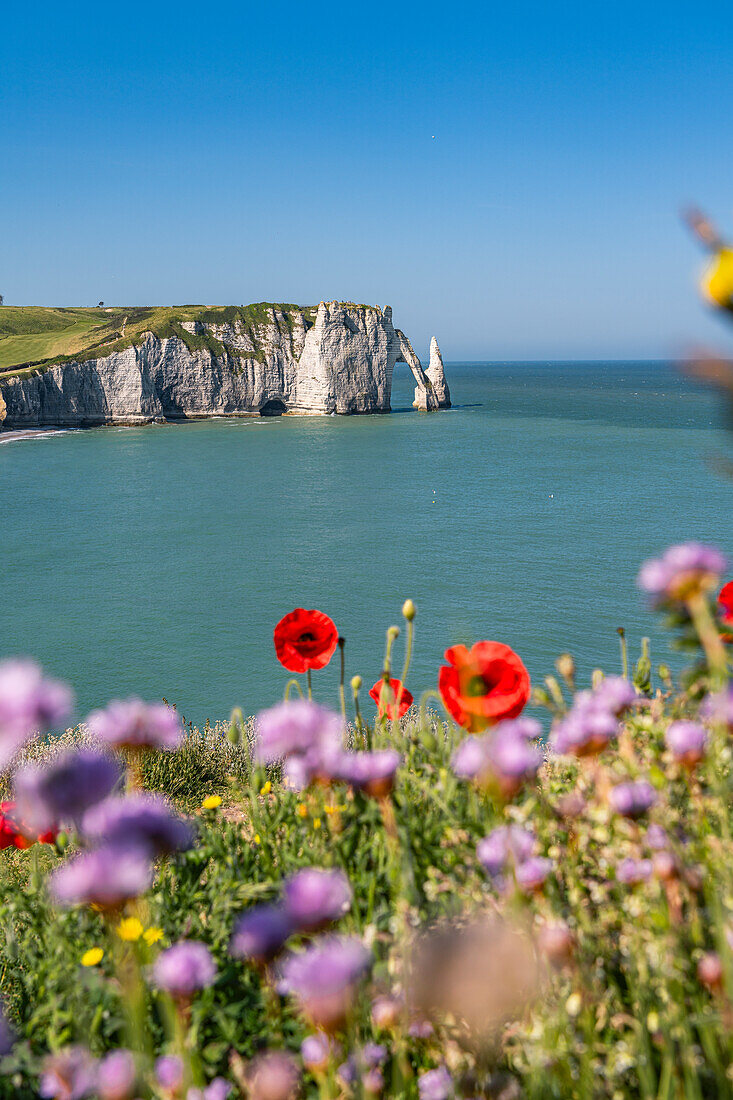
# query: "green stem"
(310, 686)
(710, 639)
(293, 683)
(624, 652)
(342, 695)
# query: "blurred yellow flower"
(212, 802)
(266, 788)
(130, 929)
(574, 1004)
(93, 956)
(717, 282)
(257, 838)
(152, 935)
(316, 822)
(302, 810)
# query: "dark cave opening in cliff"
(275, 407)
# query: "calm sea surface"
(156, 561)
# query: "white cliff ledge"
(338, 359)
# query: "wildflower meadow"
(497, 890)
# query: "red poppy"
(483, 684)
(389, 707)
(305, 639)
(725, 608)
(14, 834)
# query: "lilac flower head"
(504, 846)
(324, 977)
(169, 1072)
(348, 1072)
(61, 791)
(317, 1050)
(134, 724)
(436, 1084)
(28, 705)
(273, 1075)
(116, 1075)
(505, 755)
(296, 728)
(7, 1036)
(533, 872)
(386, 1012)
(218, 1089)
(70, 1074)
(682, 571)
(588, 726)
(719, 707)
(374, 1054)
(686, 741)
(106, 877)
(260, 934)
(372, 1081)
(315, 898)
(633, 871)
(371, 772)
(616, 694)
(470, 759)
(184, 968)
(656, 837)
(421, 1029)
(143, 820)
(632, 799)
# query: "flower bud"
(393, 632)
(565, 666)
(664, 866)
(386, 1013)
(710, 970)
(556, 941)
(408, 610)
(356, 682)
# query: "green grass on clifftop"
(35, 337)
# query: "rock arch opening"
(273, 407)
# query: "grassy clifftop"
(37, 337)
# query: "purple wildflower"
(169, 1072)
(184, 968)
(106, 877)
(632, 799)
(315, 898)
(273, 1075)
(616, 694)
(218, 1089)
(469, 761)
(7, 1036)
(28, 705)
(296, 729)
(70, 1074)
(134, 724)
(633, 871)
(317, 1051)
(61, 791)
(686, 741)
(588, 726)
(386, 1013)
(143, 820)
(348, 1072)
(116, 1075)
(371, 772)
(504, 846)
(259, 934)
(504, 756)
(533, 872)
(719, 707)
(374, 1054)
(325, 976)
(436, 1084)
(683, 570)
(421, 1029)
(656, 837)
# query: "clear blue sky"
(228, 153)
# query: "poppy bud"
(565, 666)
(408, 610)
(386, 1013)
(393, 632)
(356, 683)
(664, 866)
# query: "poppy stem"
(293, 683)
(308, 681)
(342, 696)
(405, 670)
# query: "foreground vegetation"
(435, 902)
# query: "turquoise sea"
(157, 560)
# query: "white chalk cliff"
(340, 363)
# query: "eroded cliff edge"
(336, 359)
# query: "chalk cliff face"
(342, 363)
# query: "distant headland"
(88, 367)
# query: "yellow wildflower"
(212, 802)
(93, 956)
(316, 822)
(266, 788)
(130, 929)
(257, 838)
(302, 810)
(152, 935)
(334, 809)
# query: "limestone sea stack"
(336, 359)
